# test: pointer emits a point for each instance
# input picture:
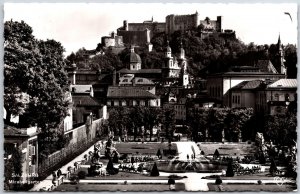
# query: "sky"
(78, 25)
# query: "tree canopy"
(35, 82)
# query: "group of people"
(192, 156)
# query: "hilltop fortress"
(141, 33)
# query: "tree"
(168, 120)
(154, 171)
(216, 154)
(151, 118)
(290, 56)
(282, 129)
(229, 171)
(235, 122)
(37, 69)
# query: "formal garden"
(135, 166)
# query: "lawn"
(83, 187)
(143, 148)
(228, 149)
(251, 187)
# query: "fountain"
(189, 159)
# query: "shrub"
(216, 154)
(110, 168)
(218, 180)
(158, 154)
(229, 171)
(262, 158)
(81, 174)
(259, 182)
(154, 171)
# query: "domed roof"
(132, 57)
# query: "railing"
(67, 154)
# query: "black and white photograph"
(153, 97)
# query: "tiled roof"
(84, 100)
(81, 88)
(266, 66)
(129, 92)
(284, 83)
(246, 85)
(124, 70)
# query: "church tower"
(280, 58)
(183, 65)
(170, 70)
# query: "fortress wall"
(134, 37)
(155, 26)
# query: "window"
(134, 103)
(124, 103)
(108, 103)
(276, 97)
(142, 103)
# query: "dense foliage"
(138, 121)
(35, 83)
(210, 123)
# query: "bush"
(229, 171)
(216, 154)
(154, 171)
(262, 158)
(81, 174)
(110, 168)
(218, 180)
(259, 182)
(158, 154)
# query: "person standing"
(59, 173)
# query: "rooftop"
(129, 92)
(19, 132)
(284, 83)
(84, 100)
(248, 85)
